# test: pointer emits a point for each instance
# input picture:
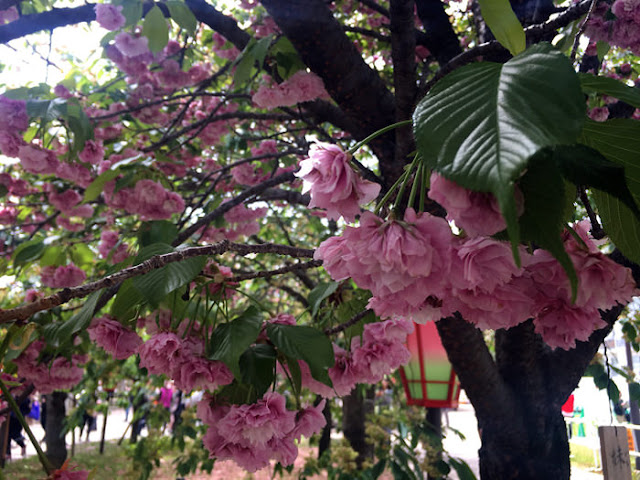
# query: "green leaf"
(80, 126)
(27, 252)
(157, 284)
(155, 29)
(319, 294)
(260, 49)
(81, 254)
(295, 373)
(182, 15)
(230, 340)
(462, 469)
(159, 231)
(620, 223)
(304, 343)
(244, 64)
(584, 166)
(60, 333)
(96, 187)
(131, 10)
(602, 48)
(543, 219)
(53, 256)
(611, 87)
(619, 141)
(47, 110)
(127, 300)
(505, 26)
(480, 125)
(258, 365)
(237, 393)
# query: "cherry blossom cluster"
(380, 351)
(63, 276)
(417, 269)
(48, 376)
(300, 87)
(254, 434)
(333, 183)
(622, 30)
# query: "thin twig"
(352, 321)
(583, 26)
(278, 271)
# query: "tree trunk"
(354, 410)
(518, 395)
(325, 438)
(56, 446)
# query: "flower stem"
(46, 464)
(377, 133)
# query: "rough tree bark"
(56, 446)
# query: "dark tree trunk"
(56, 446)
(325, 439)
(518, 395)
(355, 407)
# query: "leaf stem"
(46, 464)
(377, 133)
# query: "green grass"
(113, 464)
(582, 456)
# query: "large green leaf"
(504, 24)
(230, 340)
(320, 293)
(480, 124)
(157, 284)
(304, 343)
(28, 252)
(155, 28)
(619, 141)
(621, 225)
(258, 366)
(611, 87)
(584, 166)
(126, 302)
(61, 332)
(182, 15)
(543, 219)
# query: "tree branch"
(440, 39)
(225, 207)
(25, 311)
(357, 89)
(403, 52)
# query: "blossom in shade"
(159, 353)
(109, 16)
(109, 246)
(333, 184)
(59, 374)
(253, 434)
(93, 152)
(405, 264)
(477, 213)
(13, 115)
(114, 338)
(62, 277)
(37, 160)
(130, 45)
(10, 143)
(300, 87)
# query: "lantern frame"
(419, 338)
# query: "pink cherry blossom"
(115, 339)
(310, 420)
(64, 201)
(477, 213)
(93, 152)
(159, 353)
(192, 372)
(10, 143)
(59, 374)
(37, 160)
(13, 115)
(393, 330)
(65, 474)
(333, 184)
(62, 277)
(109, 16)
(131, 46)
(108, 241)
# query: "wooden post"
(615, 453)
